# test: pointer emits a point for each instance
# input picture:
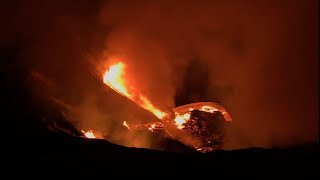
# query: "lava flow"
(198, 125)
(180, 120)
(115, 78)
(153, 126)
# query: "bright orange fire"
(146, 104)
(114, 77)
(208, 109)
(152, 127)
(180, 119)
(89, 134)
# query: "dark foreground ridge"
(59, 155)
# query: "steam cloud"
(256, 58)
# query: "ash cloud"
(258, 59)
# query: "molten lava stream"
(115, 78)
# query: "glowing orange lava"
(146, 104)
(180, 119)
(89, 134)
(125, 124)
(208, 109)
(114, 77)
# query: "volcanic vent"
(199, 126)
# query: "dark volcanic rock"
(66, 155)
(209, 127)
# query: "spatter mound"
(200, 126)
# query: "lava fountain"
(115, 78)
(197, 125)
